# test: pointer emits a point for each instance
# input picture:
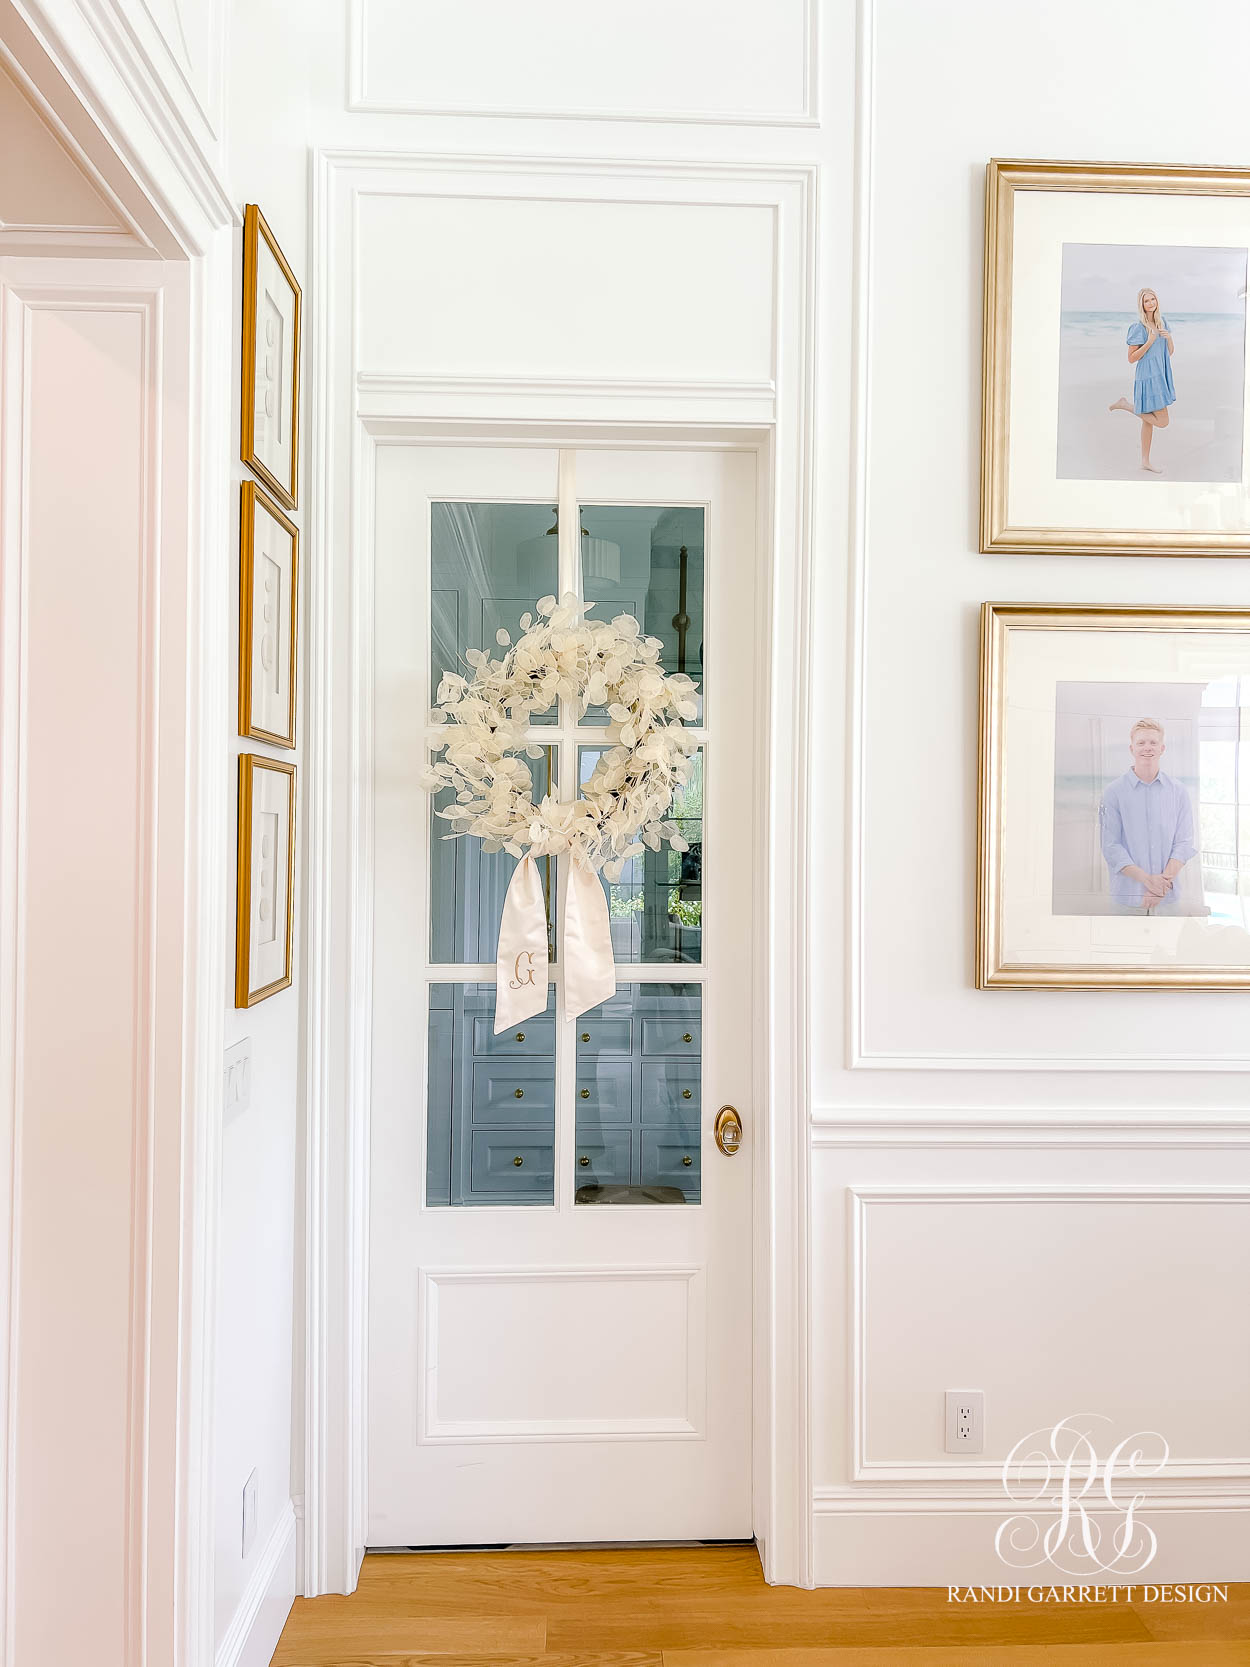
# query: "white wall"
(976, 1121)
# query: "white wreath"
(623, 807)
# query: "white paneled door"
(560, 1252)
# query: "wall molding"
(416, 397)
(904, 1128)
(254, 1629)
(862, 1199)
(336, 942)
(808, 115)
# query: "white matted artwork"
(270, 379)
(268, 614)
(1114, 841)
(265, 878)
(1115, 398)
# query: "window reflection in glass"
(656, 907)
(489, 564)
(648, 562)
(639, 1097)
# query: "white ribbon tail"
(521, 962)
(589, 970)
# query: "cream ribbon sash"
(521, 960)
(521, 963)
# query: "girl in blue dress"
(1150, 351)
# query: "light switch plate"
(237, 1088)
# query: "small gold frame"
(1002, 180)
(997, 620)
(254, 228)
(252, 499)
(244, 995)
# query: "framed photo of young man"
(1114, 413)
(1114, 835)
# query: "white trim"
(336, 1064)
(808, 115)
(391, 398)
(1221, 1474)
(256, 1626)
(903, 1127)
(986, 1498)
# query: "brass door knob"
(519, 1093)
(728, 1130)
(585, 1162)
(687, 1037)
(518, 1161)
(687, 1093)
(687, 1160)
(585, 1036)
(585, 1093)
(520, 1036)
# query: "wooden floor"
(709, 1607)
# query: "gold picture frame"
(1219, 522)
(1018, 861)
(268, 657)
(264, 878)
(270, 448)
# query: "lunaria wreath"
(622, 810)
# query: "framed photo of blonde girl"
(1114, 416)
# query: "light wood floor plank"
(710, 1607)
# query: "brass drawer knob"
(519, 1093)
(687, 1160)
(687, 1037)
(585, 1093)
(585, 1036)
(520, 1036)
(686, 1093)
(585, 1162)
(518, 1161)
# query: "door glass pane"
(467, 884)
(639, 1101)
(491, 1124)
(649, 563)
(489, 564)
(656, 907)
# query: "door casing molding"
(349, 425)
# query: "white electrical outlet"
(965, 1421)
(249, 1513)
(237, 1088)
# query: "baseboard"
(915, 1544)
(252, 1636)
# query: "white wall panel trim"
(806, 115)
(863, 1199)
(891, 1128)
(391, 397)
(985, 1497)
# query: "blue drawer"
(671, 1089)
(495, 1171)
(664, 1162)
(604, 1039)
(532, 1038)
(603, 1158)
(679, 1036)
(606, 1092)
(517, 1092)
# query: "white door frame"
(353, 416)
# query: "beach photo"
(1152, 800)
(1151, 363)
